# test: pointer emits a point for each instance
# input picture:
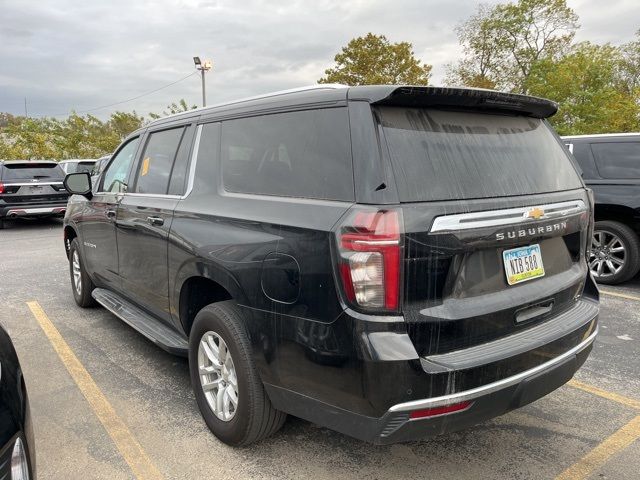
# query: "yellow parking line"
(615, 397)
(131, 450)
(621, 295)
(597, 457)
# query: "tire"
(81, 294)
(1, 223)
(617, 244)
(253, 417)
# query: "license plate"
(33, 189)
(522, 264)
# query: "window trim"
(136, 170)
(191, 169)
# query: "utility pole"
(25, 107)
(203, 67)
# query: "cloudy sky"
(78, 55)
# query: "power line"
(124, 101)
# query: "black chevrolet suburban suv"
(610, 165)
(31, 188)
(391, 262)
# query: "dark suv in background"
(610, 166)
(390, 262)
(31, 188)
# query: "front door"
(144, 220)
(98, 226)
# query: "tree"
(502, 43)
(373, 60)
(629, 71)
(585, 83)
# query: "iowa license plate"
(522, 264)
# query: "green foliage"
(74, 137)
(526, 47)
(373, 60)
(586, 84)
(502, 43)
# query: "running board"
(153, 329)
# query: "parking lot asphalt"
(589, 428)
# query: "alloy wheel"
(607, 255)
(218, 377)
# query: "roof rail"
(321, 86)
(602, 135)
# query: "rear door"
(97, 228)
(496, 220)
(145, 215)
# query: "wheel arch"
(69, 234)
(201, 286)
(618, 213)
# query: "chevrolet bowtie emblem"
(535, 213)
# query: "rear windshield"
(80, 167)
(446, 155)
(28, 171)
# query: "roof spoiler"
(468, 98)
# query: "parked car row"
(390, 262)
(31, 189)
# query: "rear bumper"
(487, 401)
(33, 210)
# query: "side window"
(115, 176)
(617, 160)
(296, 154)
(177, 184)
(157, 160)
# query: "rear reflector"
(434, 412)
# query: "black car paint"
(319, 358)
(15, 416)
(615, 199)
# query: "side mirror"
(78, 184)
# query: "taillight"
(1, 187)
(369, 247)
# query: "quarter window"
(157, 160)
(116, 174)
(295, 154)
(617, 160)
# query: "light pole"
(203, 67)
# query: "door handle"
(155, 221)
(110, 213)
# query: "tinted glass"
(296, 154)
(157, 160)
(99, 165)
(28, 171)
(179, 172)
(443, 155)
(79, 167)
(617, 160)
(116, 175)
